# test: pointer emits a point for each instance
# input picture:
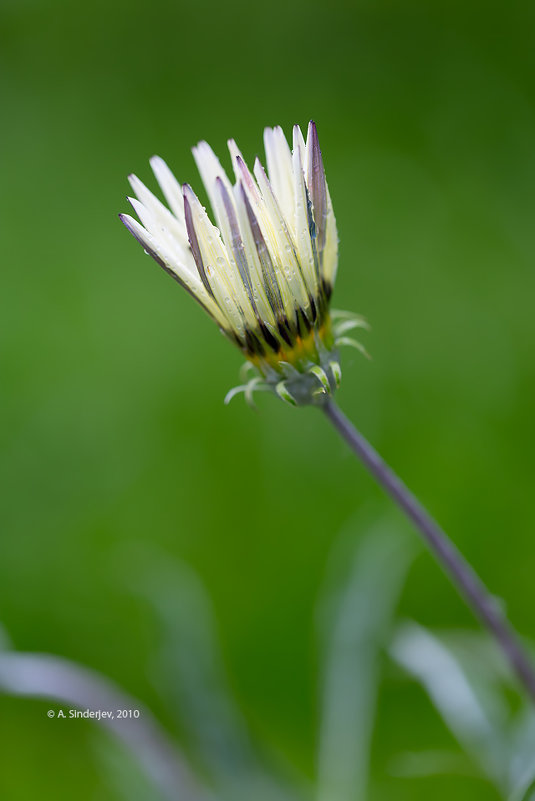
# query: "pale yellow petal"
(301, 217)
(280, 171)
(223, 276)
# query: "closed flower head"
(266, 272)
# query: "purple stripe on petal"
(268, 273)
(236, 242)
(317, 186)
(231, 215)
(246, 176)
(192, 238)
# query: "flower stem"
(461, 573)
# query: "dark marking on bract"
(313, 309)
(303, 323)
(273, 343)
(254, 346)
(283, 327)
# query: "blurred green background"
(115, 445)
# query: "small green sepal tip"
(284, 393)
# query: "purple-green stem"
(461, 573)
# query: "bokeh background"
(117, 454)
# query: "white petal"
(235, 157)
(326, 235)
(155, 248)
(210, 169)
(279, 164)
(330, 251)
(301, 217)
(155, 226)
(244, 176)
(169, 185)
(298, 140)
(271, 241)
(273, 279)
(222, 275)
(159, 211)
(281, 245)
(253, 262)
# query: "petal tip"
(130, 225)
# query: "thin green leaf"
(122, 773)
(479, 727)
(522, 764)
(45, 676)
(189, 670)
(432, 763)
(361, 614)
